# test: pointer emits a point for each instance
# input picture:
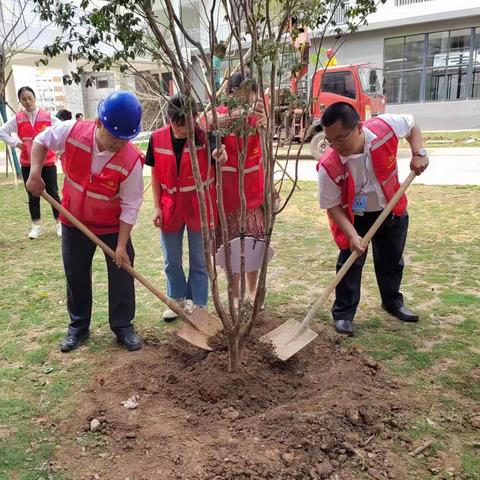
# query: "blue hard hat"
(121, 114)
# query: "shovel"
(198, 326)
(292, 336)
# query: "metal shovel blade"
(289, 338)
(200, 327)
(189, 334)
(205, 323)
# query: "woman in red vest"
(244, 90)
(176, 204)
(27, 124)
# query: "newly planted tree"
(260, 38)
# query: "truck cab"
(359, 85)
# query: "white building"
(430, 53)
(47, 81)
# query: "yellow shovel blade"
(289, 338)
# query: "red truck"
(360, 85)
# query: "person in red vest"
(27, 124)
(103, 188)
(244, 90)
(358, 175)
(176, 206)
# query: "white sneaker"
(188, 307)
(169, 315)
(35, 231)
(59, 230)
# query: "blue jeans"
(196, 287)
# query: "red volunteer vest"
(383, 152)
(26, 133)
(178, 198)
(94, 199)
(253, 171)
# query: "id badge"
(359, 204)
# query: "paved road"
(448, 166)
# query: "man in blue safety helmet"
(103, 188)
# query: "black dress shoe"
(131, 341)
(344, 327)
(71, 342)
(402, 313)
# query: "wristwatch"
(421, 152)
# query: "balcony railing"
(11, 10)
(401, 3)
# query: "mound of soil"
(327, 413)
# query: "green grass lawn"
(438, 360)
(452, 139)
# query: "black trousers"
(49, 176)
(77, 252)
(387, 244)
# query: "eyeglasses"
(341, 139)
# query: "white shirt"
(361, 168)
(131, 189)
(11, 127)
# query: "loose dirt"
(327, 413)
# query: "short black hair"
(177, 108)
(342, 111)
(78, 115)
(238, 80)
(64, 115)
(25, 89)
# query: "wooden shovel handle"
(354, 255)
(86, 231)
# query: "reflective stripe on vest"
(164, 151)
(117, 168)
(81, 146)
(247, 170)
(394, 172)
(191, 188)
(382, 141)
(74, 184)
(169, 190)
(98, 196)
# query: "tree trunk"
(235, 348)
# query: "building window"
(339, 83)
(104, 82)
(475, 92)
(433, 67)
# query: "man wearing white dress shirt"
(357, 177)
(103, 188)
